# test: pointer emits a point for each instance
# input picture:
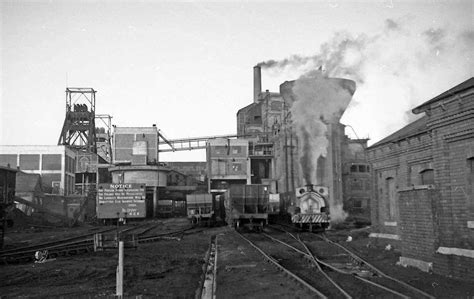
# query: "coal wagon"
(247, 206)
(200, 208)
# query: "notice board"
(121, 201)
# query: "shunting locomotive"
(310, 209)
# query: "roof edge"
(465, 85)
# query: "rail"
(315, 260)
(83, 243)
(288, 272)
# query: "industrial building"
(356, 178)
(55, 163)
(228, 163)
(276, 144)
(135, 159)
(423, 185)
(29, 188)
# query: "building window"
(470, 179)
(357, 203)
(236, 167)
(29, 162)
(236, 150)
(53, 162)
(220, 150)
(8, 160)
(360, 168)
(427, 177)
(390, 198)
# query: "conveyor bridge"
(187, 144)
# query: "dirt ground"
(374, 250)
(174, 268)
(243, 273)
(167, 268)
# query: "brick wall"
(455, 266)
(417, 223)
(452, 124)
(395, 160)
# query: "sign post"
(119, 292)
(115, 201)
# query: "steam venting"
(319, 101)
(395, 70)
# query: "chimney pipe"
(257, 82)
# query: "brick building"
(55, 163)
(136, 145)
(423, 185)
(356, 178)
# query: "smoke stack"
(257, 82)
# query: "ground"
(174, 268)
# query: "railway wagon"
(205, 208)
(309, 209)
(247, 206)
(199, 208)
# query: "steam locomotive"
(309, 210)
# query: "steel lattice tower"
(79, 125)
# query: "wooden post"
(120, 272)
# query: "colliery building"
(274, 148)
(55, 163)
(423, 185)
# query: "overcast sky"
(187, 67)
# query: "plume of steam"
(319, 101)
(337, 213)
(395, 70)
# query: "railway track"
(346, 271)
(290, 263)
(85, 243)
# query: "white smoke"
(395, 70)
(319, 101)
(338, 214)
